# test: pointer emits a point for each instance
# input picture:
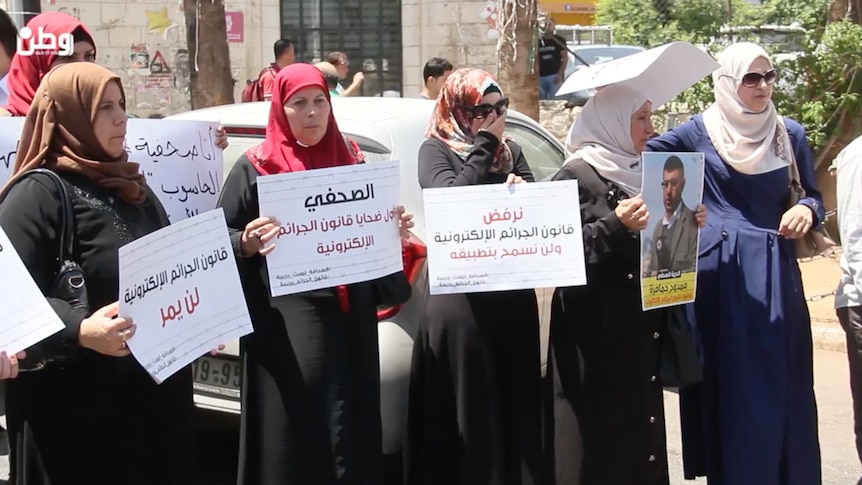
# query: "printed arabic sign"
(181, 287)
(44, 43)
(27, 317)
(10, 134)
(339, 226)
(493, 238)
(234, 25)
(179, 158)
(672, 190)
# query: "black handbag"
(69, 282)
(679, 361)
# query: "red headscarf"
(281, 152)
(25, 72)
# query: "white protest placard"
(339, 226)
(180, 285)
(181, 162)
(179, 158)
(27, 317)
(494, 238)
(10, 135)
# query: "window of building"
(368, 31)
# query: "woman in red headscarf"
(31, 63)
(311, 389)
(474, 415)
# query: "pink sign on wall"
(235, 28)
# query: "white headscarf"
(602, 137)
(750, 143)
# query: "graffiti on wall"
(182, 71)
(159, 22)
(488, 13)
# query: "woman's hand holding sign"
(257, 234)
(633, 213)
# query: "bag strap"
(795, 179)
(66, 234)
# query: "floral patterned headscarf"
(450, 122)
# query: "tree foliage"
(820, 84)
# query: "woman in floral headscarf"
(474, 413)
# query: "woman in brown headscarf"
(474, 412)
(92, 414)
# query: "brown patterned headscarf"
(450, 122)
(58, 133)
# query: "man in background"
(285, 54)
(8, 47)
(553, 58)
(342, 65)
(848, 297)
(434, 76)
(331, 76)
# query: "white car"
(385, 129)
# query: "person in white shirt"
(8, 46)
(848, 298)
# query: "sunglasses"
(482, 111)
(753, 79)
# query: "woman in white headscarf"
(617, 408)
(753, 419)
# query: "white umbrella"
(660, 73)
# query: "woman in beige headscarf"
(612, 407)
(91, 413)
(753, 419)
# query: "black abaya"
(474, 414)
(311, 393)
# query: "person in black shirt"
(553, 57)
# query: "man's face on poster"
(672, 184)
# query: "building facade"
(388, 40)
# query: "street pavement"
(840, 464)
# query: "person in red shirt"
(285, 53)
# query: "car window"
(543, 156)
(237, 145)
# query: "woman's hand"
(217, 349)
(700, 215)
(796, 222)
(106, 332)
(494, 125)
(633, 213)
(9, 364)
(221, 137)
(405, 221)
(256, 234)
(514, 179)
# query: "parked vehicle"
(385, 129)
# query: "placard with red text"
(338, 226)
(180, 285)
(493, 237)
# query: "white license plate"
(217, 372)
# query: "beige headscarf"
(601, 136)
(750, 143)
(58, 133)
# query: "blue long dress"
(753, 419)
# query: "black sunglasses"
(482, 111)
(753, 79)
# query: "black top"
(311, 387)
(96, 417)
(551, 52)
(441, 167)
